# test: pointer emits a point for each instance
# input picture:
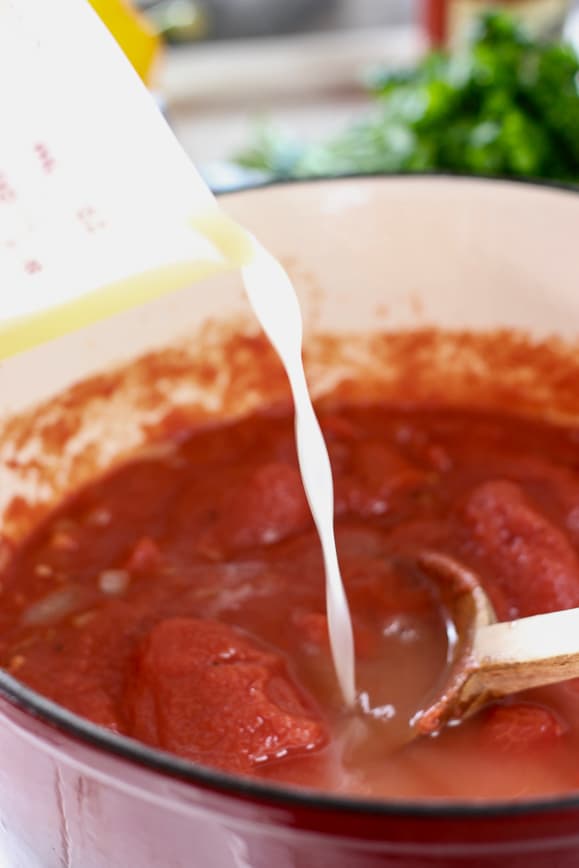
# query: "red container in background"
(448, 21)
(435, 16)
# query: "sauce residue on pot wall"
(226, 370)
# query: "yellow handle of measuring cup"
(133, 32)
(234, 244)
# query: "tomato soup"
(179, 600)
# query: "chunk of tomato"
(204, 690)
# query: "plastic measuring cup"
(90, 200)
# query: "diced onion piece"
(113, 582)
(99, 517)
(52, 607)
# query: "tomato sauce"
(180, 599)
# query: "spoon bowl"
(493, 659)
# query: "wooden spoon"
(491, 659)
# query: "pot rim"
(139, 754)
(443, 175)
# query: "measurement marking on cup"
(89, 219)
(7, 191)
(46, 159)
(32, 266)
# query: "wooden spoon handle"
(531, 652)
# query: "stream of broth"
(275, 304)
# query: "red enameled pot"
(369, 254)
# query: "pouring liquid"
(275, 304)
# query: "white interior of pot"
(366, 255)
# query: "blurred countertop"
(310, 83)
